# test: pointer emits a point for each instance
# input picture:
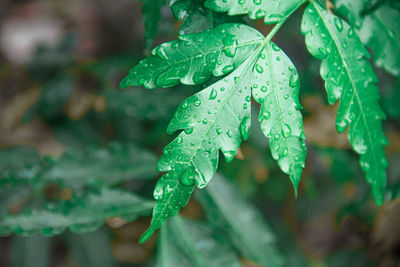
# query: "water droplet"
(222, 89)
(227, 69)
(286, 97)
(294, 80)
(338, 24)
(241, 2)
(275, 47)
(198, 56)
(158, 192)
(189, 130)
(205, 121)
(213, 94)
(266, 115)
(187, 177)
(248, 98)
(219, 131)
(257, 2)
(160, 51)
(350, 32)
(285, 152)
(245, 128)
(259, 69)
(184, 105)
(262, 56)
(277, 137)
(179, 140)
(186, 43)
(244, 106)
(278, 59)
(264, 88)
(197, 102)
(286, 130)
(229, 133)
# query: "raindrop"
(189, 130)
(179, 140)
(213, 94)
(257, 2)
(219, 131)
(245, 128)
(275, 47)
(266, 115)
(338, 24)
(263, 88)
(286, 130)
(227, 68)
(197, 102)
(259, 68)
(294, 81)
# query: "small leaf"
(187, 243)
(272, 11)
(276, 86)
(228, 210)
(84, 215)
(194, 57)
(350, 77)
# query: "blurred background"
(65, 128)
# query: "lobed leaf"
(228, 210)
(194, 57)
(350, 77)
(276, 86)
(187, 243)
(272, 11)
(83, 215)
(216, 118)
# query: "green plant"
(218, 117)
(224, 73)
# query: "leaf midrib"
(355, 93)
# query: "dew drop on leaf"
(213, 94)
(338, 24)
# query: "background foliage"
(78, 156)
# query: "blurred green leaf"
(30, 251)
(91, 249)
(80, 215)
(188, 243)
(247, 229)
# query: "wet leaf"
(194, 57)
(272, 11)
(81, 215)
(350, 77)
(276, 86)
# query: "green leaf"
(151, 17)
(91, 249)
(229, 211)
(276, 86)
(30, 251)
(378, 30)
(94, 166)
(350, 77)
(114, 164)
(182, 8)
(19, 164)
(194, 57)
(82, 215)
(272, 11)
(216, 118)
(187, 243)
